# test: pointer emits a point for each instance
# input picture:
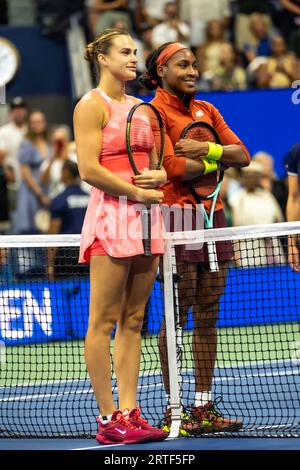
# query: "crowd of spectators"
(239, 44)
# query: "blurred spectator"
(6, 176)
(144, 45)
(245, 8)
(290, 17)
(67, 215)
(53, 15)
(150, 11)
(253, 205)
(224, 196)
(103, 14)
(6, 269)
(233, 176)
(269, 179)
(262, 41)
(229, 75)
(31, 195)
(293, 203)
(171, 29)
(197, 13)
(68, 208)
(280, 69)
(51, 168)
(208, 55)
(11, 136)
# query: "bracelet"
(209, 165)
(215, 151)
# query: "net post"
(175, 404)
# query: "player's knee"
(133, 321)
(205, 323)
(103, 326)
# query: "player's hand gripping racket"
(145, 148)
(204, 132)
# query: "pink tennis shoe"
(121, 430)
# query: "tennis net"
(44, 386)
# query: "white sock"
(105, 419)
(201, 398)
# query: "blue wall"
(41, 311)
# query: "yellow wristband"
(210, 165)
(215, 151)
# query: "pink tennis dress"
(112, 225)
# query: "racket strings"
(146, 137)
(200, 134)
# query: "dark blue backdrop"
(44, 68)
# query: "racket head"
(203, 132)
(145, 137)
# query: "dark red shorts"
(224, 248)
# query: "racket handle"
(212, 257)
(146, 231)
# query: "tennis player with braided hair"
(172, 71)
(121, 278)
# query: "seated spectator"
(51, 168)
(6, 176)
(208, 55)
(149, 11)
(103, 13)
(290, 17)
(11, 137)
(224, 197)
(32, 195)
(229, 75)
(290, 24)
(197, 13)
(253, 205)
(269, 179)
(245, 8)
(280, 69)
(67, 215)
(144, 47)
(171, 29)
(262, 41)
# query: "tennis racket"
(145, 148)
(204, 132)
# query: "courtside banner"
(37, 312)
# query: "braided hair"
(150, 79)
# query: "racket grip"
(147, 247)
(146, 231)
(212, 257)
